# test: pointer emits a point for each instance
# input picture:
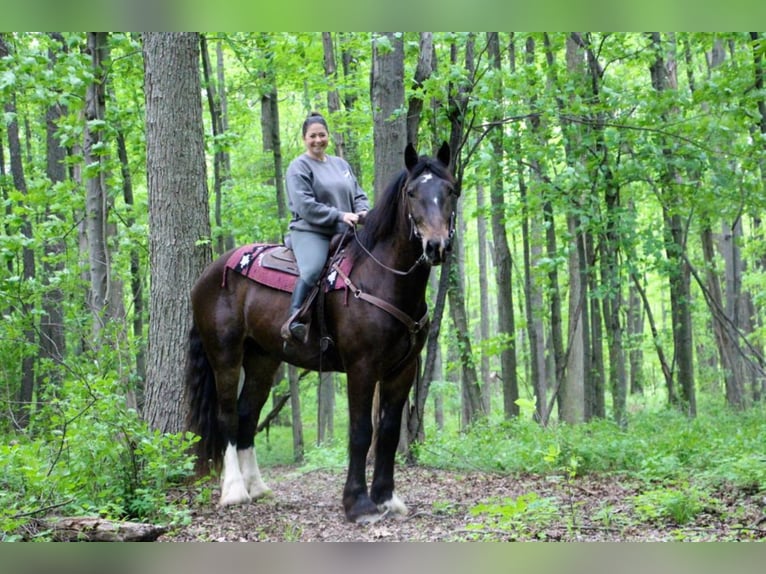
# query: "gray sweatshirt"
(318, 191)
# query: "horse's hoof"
(234, 494)
(393, 505)
(363, 511)
(261, 491)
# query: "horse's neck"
(404, 256)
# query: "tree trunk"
(333, 98)
(96, 200)
(422, 73)
(179, 227)
(270, 130)
(502, 257)
(484, 314)
(295, 408)
(325, 408)
(663, 74)
(350, 66)
(759, 128)
(52, 340)
(531, 240)
(610, 245)
(572, 407)
(551, 246)
(26, 369)
(458, 102)
(387, 90)
(731, 236)
(220, 173)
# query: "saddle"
(281, 258)
(275, 266)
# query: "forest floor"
(447, 506)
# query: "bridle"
(414, 233)
(415, 265)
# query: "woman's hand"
(350, 218)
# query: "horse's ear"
(410, 156)
(444, 154)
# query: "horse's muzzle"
(436, 250)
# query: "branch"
(274, 412)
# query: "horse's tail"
(203, 406)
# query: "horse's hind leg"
(393, 396)
(258, 377)
(233, 489)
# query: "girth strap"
(413, 326)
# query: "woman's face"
(316, 140)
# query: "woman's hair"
(314, 118)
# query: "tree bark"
(97, 203)
(272, 144)
(663, 74)
(96, 529)
(387, 91)
(422, 73)
(333, 97)
(502, 257)
(52, 340)
(26, 373)
(179, 227)
(458, 107)
(220, 171)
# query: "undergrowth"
(90, 455)
(717, 447)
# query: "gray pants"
(311, 250)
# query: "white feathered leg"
(251, 474)
(233, 490)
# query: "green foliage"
(681, 505)
(526, 516)
(717, 447)
(89, 454)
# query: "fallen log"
(95, 529)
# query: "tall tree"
(26, 372)
(52, 340)
(663, 72)
(423, 71)
(333, 97)
(501, 253)
(97, 201)
(610, 241)
(387, 92)
(216, 90)
(459, 93)
(179, 225)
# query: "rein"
(415, 265)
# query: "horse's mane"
(381, 220)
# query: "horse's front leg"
(393, 396)
(356, 501)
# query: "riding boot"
(295, 327)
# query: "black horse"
(378, 326)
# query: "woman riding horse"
(378, 324)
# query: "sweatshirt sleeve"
(361, 203)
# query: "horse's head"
(431, 201)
